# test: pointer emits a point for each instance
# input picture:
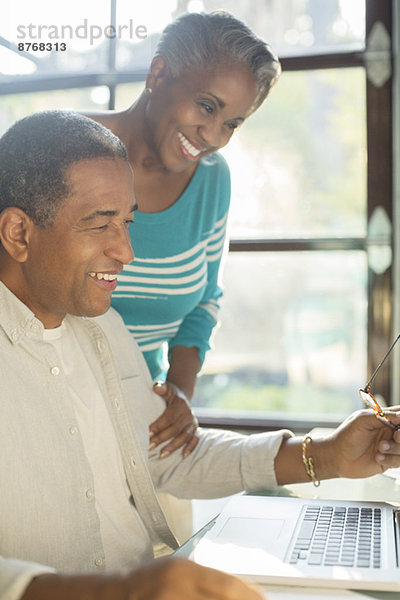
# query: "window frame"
(381, 318)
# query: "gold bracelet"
(308, 461)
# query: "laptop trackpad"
(246, 545)
(253, 533)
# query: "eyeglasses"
(368, 397)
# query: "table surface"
(380, 488)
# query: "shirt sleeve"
(196, 328)
(223, 463)
(16, 575)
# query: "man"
(77, 479)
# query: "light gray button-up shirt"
(48, 518)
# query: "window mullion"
(379, 194)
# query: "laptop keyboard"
(336, 535)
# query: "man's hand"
(171, 579)
(164, 579)
(362, 446)
(177, 423)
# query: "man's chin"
(95, 311)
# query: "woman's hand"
(177, 422)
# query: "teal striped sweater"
(169, 295)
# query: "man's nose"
(121, 248)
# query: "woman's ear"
(15, 232)
(158, 73)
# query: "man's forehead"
(98, 174)
(88, 167)
(100, 185)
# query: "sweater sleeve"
(196, 328)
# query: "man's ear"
(158, 73)
(15, 232)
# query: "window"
(308, 306)
(307, 309)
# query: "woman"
(209, 73)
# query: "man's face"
(72, 266)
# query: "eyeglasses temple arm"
(381, 363)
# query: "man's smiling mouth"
(105, 276)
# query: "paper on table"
(290, 593)
(395, 473)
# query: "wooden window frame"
(379, 187)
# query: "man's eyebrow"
(99, 213)
(105, 213)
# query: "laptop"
(306, 542)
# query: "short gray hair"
(35, 154)
(198, 40)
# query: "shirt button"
(35, 326)
(133, 462)
(55, 371)
(98, 562)
(100, 346)
(73, 430)
(89, 494)
(116, 403)
(14, 334)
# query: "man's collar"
(16, 319)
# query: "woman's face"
(197, 113)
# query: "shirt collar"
(16, 319)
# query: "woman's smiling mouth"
(190, 151)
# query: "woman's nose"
(213, 135)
